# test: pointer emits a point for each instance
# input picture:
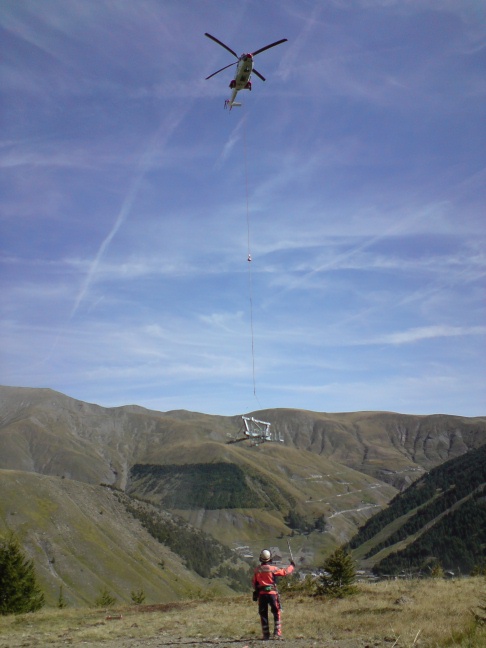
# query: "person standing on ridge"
(266, 593)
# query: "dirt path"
(174, 642)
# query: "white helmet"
(265, 556)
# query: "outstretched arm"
(285, 572)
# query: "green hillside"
(441, 518)
(457, 542)
(87, 538)
(245, 494)
(180, 506)
(207, 486)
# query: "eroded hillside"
(331, 474)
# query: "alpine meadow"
(120, 505)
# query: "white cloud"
(429, 332)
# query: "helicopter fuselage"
(241, 80)
(243, 73)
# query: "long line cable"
(249, 258)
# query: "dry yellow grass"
(428, 613)
(432, 613)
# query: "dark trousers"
(264, 602)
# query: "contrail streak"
(122, 215)
(145, 163)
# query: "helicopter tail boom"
(230, 104)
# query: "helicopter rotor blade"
(262, 49)
(223, 45)
(260, 76)
(223, 68)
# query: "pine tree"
(338, 575)
(105, 598)
(19, 592)
(436, 570)
(137, 596)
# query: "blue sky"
(354, 176)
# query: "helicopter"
(242, 79)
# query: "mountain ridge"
(339, 467)
(381, 444)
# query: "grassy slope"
(344, 496)
(329, 463)
(394, 613)
(81, 537)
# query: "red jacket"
(264, 577)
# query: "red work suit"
(264, 583)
